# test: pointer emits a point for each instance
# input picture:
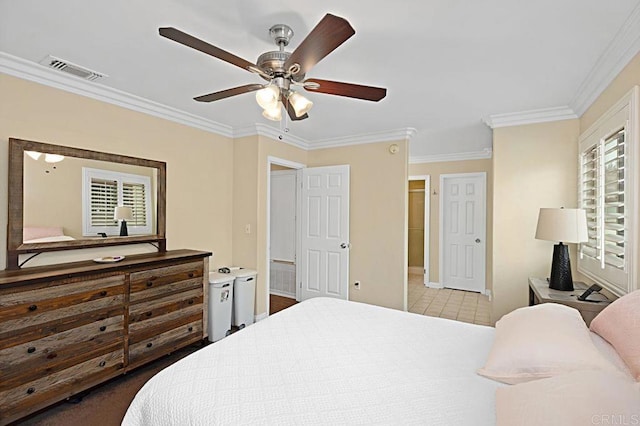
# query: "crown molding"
(463, 156)
(530, 117)
(364, 138)
(624, 46)
(28, 70)
(260, 129)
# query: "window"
(104, 190)
(608, 190)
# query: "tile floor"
(459, 305)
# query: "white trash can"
(220, 305)
(244, 288)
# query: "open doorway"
(282, 238)
(418, 223)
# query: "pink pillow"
(573, 399)
(35, 232)
(619, 324)
(541, 341)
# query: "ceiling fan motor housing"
(273, 63)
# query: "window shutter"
(133, 195)
(590, 201)
(613, 200)
(104, 199)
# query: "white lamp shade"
(33, 154)
(300, 104)
(53, 158)
(268, 97)
(562, 225)
(273, 114)
(123, 213)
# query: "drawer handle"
(102, 363)
(190, 329)
(103, 328)
(103, 293)
(31, 350)
(149, 283)
(31, 390)
(149, 344)
(190, 301)
(33, 308)
(191, 274)
(52, 355)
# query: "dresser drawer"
(158, 282)
(40, 324)
(41, 392)
(161, 344)
(27, 361)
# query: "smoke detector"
(71, 68)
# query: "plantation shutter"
(590, 201)
(134, 196)
(104, 199)
(614, 204)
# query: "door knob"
(477, 240)
(345, 245)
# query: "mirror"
(63, 198)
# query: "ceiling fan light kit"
(281, 69)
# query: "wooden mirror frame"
(15, 245)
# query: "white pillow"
(573, 399)
(541, 341)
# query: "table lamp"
(123, 213)
(562, 225)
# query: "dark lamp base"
(123, 229)
(561, 278)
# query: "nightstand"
(539, 292)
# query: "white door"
(324, 237)
(463, 231)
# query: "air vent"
(71, 68)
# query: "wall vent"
(71, 68)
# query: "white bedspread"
(328, 361)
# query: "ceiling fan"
(283, 70)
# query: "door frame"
(292, 165)
(427, 216)
(483, 175)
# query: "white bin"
(220, 305)
(244, 288)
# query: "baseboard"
(487, 293)
(434, 285)
(282, 294)
(261, 316)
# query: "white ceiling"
(447, 64)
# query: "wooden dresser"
(66, 328)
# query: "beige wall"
(434, 170)
(199, 183)
(250, 204)
(534, 166)
(378, 222)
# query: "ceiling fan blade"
(216, 96)
(195, 43)
(290, 110)
(350, 90)
(330, 33)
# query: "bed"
(329, 361)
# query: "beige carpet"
(106, 404)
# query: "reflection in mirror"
(63, 198)
(80, 196)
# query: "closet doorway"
(283, 223)
(418, 223)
